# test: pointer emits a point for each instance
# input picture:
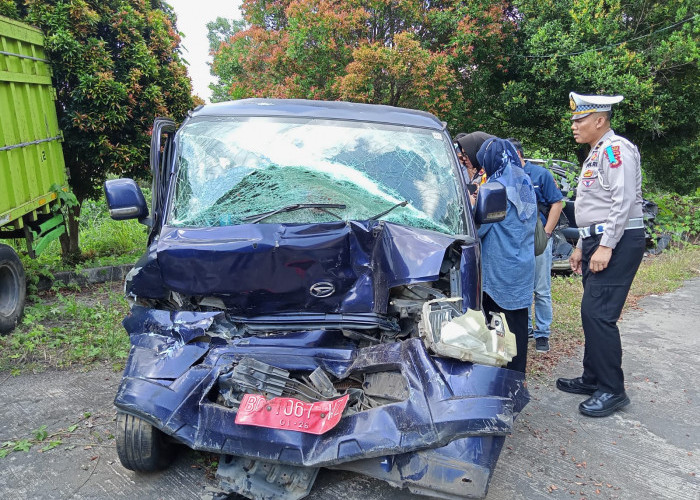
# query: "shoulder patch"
(614, 156)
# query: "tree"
(644, 50)
(405, 75)
(401, 52)
(219, 32)
(116, 66)
(506, 67)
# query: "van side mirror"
(491, 203)
(125, 200)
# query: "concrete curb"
(85, 276)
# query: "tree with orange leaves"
(441, 57)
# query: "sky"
(192, 19)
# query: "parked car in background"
(311, 297)
(565, 235)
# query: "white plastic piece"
(466, 337)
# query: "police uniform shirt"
(610, 188)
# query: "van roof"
(334, 110)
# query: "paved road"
(649, 451)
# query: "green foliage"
(503, 67)
(8, 8)
(103, 241)
(66, 197)
(67, 328)
(678, 215)
(405, 53)
(221, 29)
(22, 445)
(116, 66)
(40, 434)
(646, 51)
(54, 443)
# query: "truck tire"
(13, 289)
(140, 446)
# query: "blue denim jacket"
(508, 260)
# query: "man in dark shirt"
(549, 198)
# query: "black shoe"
(603, 404)
(575, 385)
(542, 344)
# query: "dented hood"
(257, 269)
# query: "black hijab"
(471, 143)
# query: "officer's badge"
(588, 182)
(572, 104)
(588, 173)
(614, 156)
(594, 156)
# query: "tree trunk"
(70, 243)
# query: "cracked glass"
(231, 170)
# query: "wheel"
(140, 446)
(13, 289)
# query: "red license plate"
(290, 414)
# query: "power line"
(610, 45)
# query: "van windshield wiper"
(382, 214)
(254, 219)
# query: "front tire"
(140, 446)
(13, 289)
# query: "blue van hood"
(259, 269)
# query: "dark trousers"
(517, 323)
(604, 294)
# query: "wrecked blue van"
(311, 297)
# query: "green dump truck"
(32, 169)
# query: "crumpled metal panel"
(275, 265)
(448, 399)
(461, 469)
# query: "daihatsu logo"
(322, 289)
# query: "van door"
(160, 159)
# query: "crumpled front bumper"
(172, 371)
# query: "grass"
(64, 328)
(103, 242)
(72, 326)
(657, 274)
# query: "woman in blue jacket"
(508, 247)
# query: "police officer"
(608, 253)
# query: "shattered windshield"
(233, 170)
